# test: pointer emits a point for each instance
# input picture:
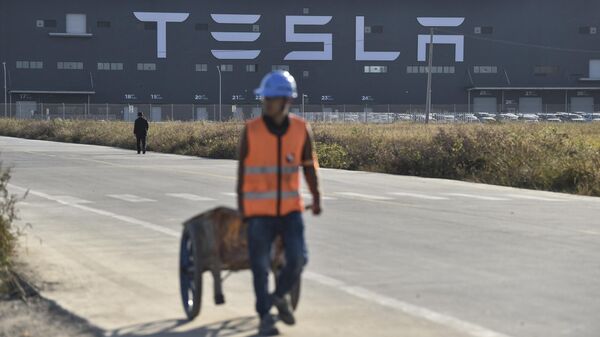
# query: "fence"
(326, 112)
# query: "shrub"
(562, 157)
(7, 233)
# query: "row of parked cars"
(486, 117)
(557, 117)
(479, 117)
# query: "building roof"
(534, 88)
(57, 92)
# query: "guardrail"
(326, 113)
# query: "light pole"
(429, 74)
(219, 70)
(5, 102)
(303, 113)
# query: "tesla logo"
(361, 54)
(161, 20)
(457, 40)
(235, 36)
(291, 36)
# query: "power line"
(524, 44)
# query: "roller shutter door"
(485, 104)
(530, 105)
(582, 104)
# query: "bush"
(564, 158)
(7, 233)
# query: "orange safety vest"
(271, 185)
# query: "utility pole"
(429, 75)
(303, 112)
(220, 101)
(5, 102)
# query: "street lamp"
(303, 97)
(220, 101)
(429, 74)
(5, 102)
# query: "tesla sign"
(293, 21)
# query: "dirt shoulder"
(30, 315)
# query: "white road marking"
(189, 196)
(323, 197)
(475, 196)
(410, 309)
(305, 195)
(130, 198)
(71, 199)
(363, 196)
(123, 218)
(531, 197)
(359, 292)
(417, 196)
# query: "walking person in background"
(140, 130)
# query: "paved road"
(391, 256)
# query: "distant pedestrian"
(140, 130)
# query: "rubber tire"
(295, 292)
(188, 279)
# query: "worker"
(273, 147)
(140, 130)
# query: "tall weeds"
(8, 234)
(563, 158)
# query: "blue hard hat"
(278, 83)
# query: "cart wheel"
(294, 293)
(190, 274)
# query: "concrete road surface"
(391, 255)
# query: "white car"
(530, 117)
(553, 120)
(508, 117)
(578, 120)
(470, 118)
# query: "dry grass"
(563, 158)
(8, 235)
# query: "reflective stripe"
(269, 169)
(270, 195)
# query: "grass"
(554, 157)
(8, 234)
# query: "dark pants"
(141, 143)
(262, 231)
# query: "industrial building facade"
(511, 56)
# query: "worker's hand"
(316, 207)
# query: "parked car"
(487, 119)
(529, 117)
(471, 118)
(579, 119)
(508, 117)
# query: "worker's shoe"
(284, 306)
(267, 326)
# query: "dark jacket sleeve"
(136, 127)
(146, 125)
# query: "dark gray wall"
(527, 22)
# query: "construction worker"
(140, 130)
(273, 147)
